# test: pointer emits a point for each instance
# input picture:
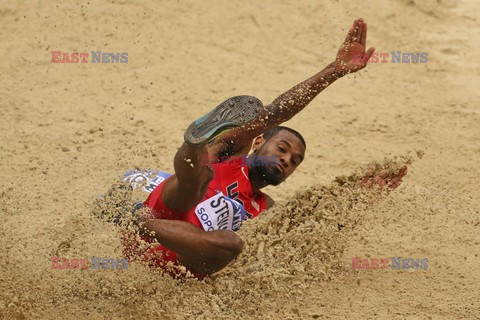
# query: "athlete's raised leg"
(201, 251)
(188, 186)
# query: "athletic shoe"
(230, 114)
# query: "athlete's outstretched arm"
(351, 57)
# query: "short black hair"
(271, 132)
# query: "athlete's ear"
(258, 142)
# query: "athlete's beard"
(270, 175)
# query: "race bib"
(147, 180)
(220, 213)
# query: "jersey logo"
(255, 205)
(147, 180)
(232, 193)
(243, 171)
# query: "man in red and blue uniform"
(195, 212)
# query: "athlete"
(193, 214)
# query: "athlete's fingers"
(368, 54)
(363, 40)
(395, 185)
(358, 36)
(383, 175)
(400, 174)
(403, 171)
(397, 179)
(351, 33)
(380, 181)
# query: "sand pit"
(69, 130)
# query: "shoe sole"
(231, 113)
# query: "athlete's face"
(284, 146)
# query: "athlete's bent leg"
(192, 176)
(189, 184)
(201, 251)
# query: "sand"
(70, 130)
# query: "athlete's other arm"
(203, 252)
(351, 57)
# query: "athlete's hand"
(385, 180)
(351, 56)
